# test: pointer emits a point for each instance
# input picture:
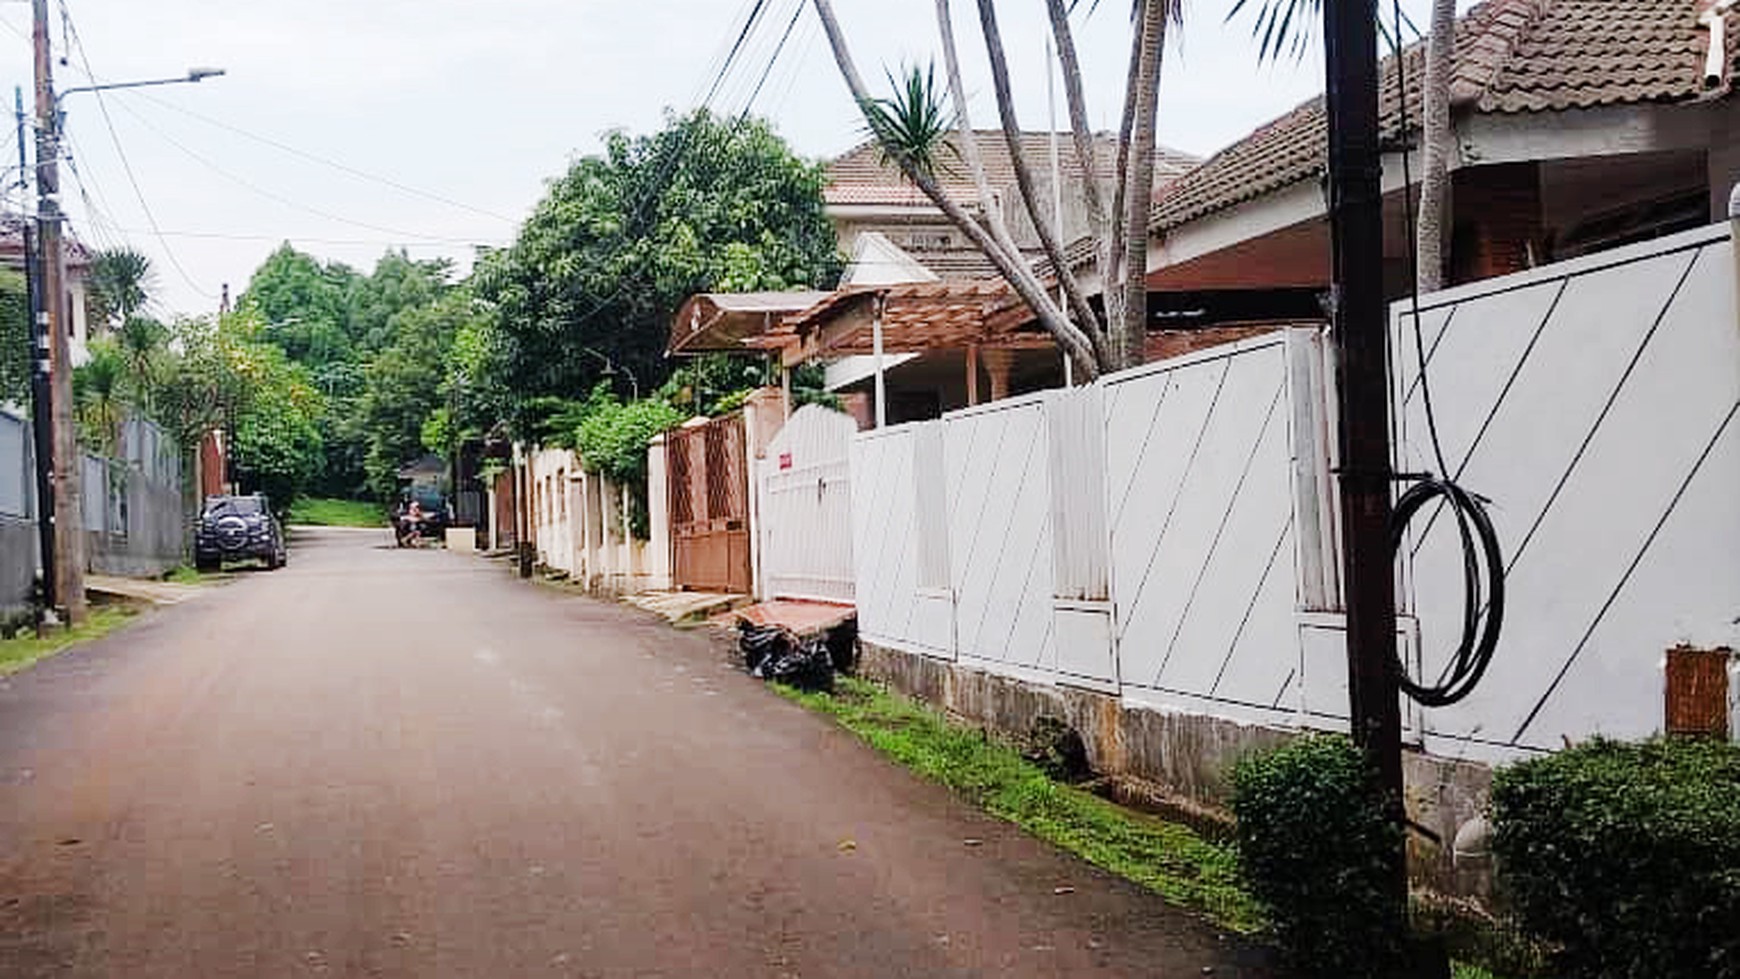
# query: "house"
(78, 266)
(1578, 126)
(895, 235)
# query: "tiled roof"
(12, 244)
(1513, 56)
(860, 176)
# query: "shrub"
(1626, 856)
(1320, 854)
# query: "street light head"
(201, 74)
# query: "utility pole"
(1362, 349)
(68, 524)
(42, 432)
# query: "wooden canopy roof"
(724, 321)
(916, 317)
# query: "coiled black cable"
(1482, 559)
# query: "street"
(407, 763)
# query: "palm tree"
(120, 281)
(1095, 341)
(1289, 24)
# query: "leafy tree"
(100, 396)
(397, 283)
(14, 339)
(119, 284)
(405, 384)
(303, 306)
(621, 239)
(221, 373)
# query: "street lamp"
(611, 370)
(63, 570)
(193, 75)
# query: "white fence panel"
(1199, 466)
(894, 609)
(806, 508)
(1000, 545)
(1594, 402)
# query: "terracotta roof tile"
(860, 177)
(1513, 56)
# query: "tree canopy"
(620, 240)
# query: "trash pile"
(772, 652)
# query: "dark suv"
(238, 528)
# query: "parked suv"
(238, 528)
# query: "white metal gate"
(806, 508)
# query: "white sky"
(481, 103)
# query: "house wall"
(578, 525)
(1594, 402)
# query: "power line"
(126, 164)
(272, 195)
(279, 236)
(323, 161)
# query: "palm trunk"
(1437, 136)
(1130, 334)
(1013, 268)
(1078, 303)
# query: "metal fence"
(132, 508)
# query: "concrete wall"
(17, 563)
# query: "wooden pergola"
(984, 318)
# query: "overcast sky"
(351, 126)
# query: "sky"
(349, 128)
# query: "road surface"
(407, 763)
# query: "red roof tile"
(1513, 56)
(860, 176)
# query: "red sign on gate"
(784, 460)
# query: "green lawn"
(337, 513)
(1168, 859)
(25, 649)
(1171, 860)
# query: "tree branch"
(1024, 177)
(1074, 342)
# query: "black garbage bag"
(805, 666)
(842, 643)
(758, 643)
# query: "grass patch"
(318, 512)
(24, 650)
(187, 574)
(1171, 860)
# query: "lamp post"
(68, 570)
(611, 370)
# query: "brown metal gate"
(709, 500)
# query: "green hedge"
(1318, 852)
(1626, 857)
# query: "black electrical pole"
(41, 425)
(1361, 345)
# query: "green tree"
(119, 285)
(14, 339)
(623, 238)
(303, 306)
(406, 384)
(222, 373)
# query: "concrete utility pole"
(69, 542)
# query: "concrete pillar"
(999, 364)
(658, 503)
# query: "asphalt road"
(396, 763)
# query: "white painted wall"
(1595, 402)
